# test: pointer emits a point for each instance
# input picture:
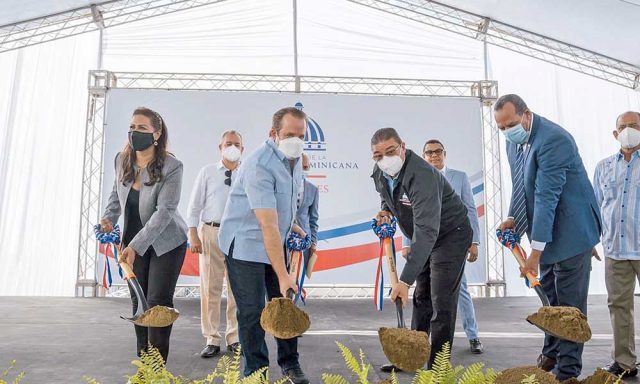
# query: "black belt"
(213, 224)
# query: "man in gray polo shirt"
(256, 221)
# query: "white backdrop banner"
(338, 143)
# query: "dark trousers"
(157, 277)
(566, 283)
(435, 299)
(250, 283)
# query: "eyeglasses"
(227, 174)
(434, 152)
(388, 153)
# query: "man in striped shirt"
(617, 188)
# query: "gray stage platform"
(58, 340)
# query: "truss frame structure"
(118, 12)
(100, 82)
(88, 19)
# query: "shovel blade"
(155, 317)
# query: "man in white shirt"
(206, 206)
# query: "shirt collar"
(272, 144)
(620, 156)
(443, 170)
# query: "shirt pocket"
(609, 190)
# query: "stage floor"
(60, 340)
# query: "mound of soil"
(158, 316)
(567, 323)
(283, 319)
(601, 377)
(406, 349)
(516, 375)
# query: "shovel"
(406, 349)
(158, 316)
(567, 323)
(281, 317)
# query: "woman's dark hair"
(128, 154)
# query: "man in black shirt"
(432, 215)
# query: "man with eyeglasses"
(206, 206)
(432, 215)
(435, 154)
(617, 188)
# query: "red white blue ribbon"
(111, 240)
(385, 232)
(296, 245)
(510, 239)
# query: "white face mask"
(390, 165)
(231, 153)
(291, 147)
(629, 138)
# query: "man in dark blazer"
(432, 215)
(554, 204)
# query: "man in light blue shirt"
(435, 154)
(257, 219)
(617, 188)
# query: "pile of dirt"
(567, 323)
(158, 316)
(283, 319)
(406, 349)
(516, 375)
(601, 377)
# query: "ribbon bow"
(385, 232)
(296, 245)
(510, 239)
(111, 240)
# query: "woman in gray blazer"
(147, 190)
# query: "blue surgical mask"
(516, 134)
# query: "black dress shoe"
(388, 368)
(296, 376)
(546, 363)
(476, 346)
(210, 351)
(615, 369)
(233, 347)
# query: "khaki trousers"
(620, 277)
(212, 275)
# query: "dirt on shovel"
(567, 323)
(283, 319)
(406, 349)
(602, 377)
(516, 375)
(158, 316)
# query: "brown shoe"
(546, 363)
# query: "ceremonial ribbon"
(510, 239)
(111, 240)
(297, 244)
(385, 232)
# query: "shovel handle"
(388, 249)
(293, 265)
(533, 280)
(128, 271)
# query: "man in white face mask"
(258, 217)
(208, 199)
(433, 216)
(617, 187)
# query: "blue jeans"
(250, 283)
(566, 283)
(466, 311)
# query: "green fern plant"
(530, 380)
(5, 374)
(359, 367)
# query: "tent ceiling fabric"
(13, 11)
(608, 27)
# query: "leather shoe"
(615, 369)
(546, 363)
(388, 368)
(210, 351)
(476, 346)
(296, 376)
(233, 347)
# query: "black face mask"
(140, 141)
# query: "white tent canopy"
(44, 89)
